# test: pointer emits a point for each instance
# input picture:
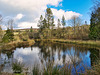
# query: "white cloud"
(68, 14)
(27, 25)
(60, 5)
(19, 16)
(4, 27)
(27, 12)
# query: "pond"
(42, 53)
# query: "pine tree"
(63, 21)
(49, 18)
(58, 30)
(9, 36)
(31, 29)
(63, 24)
(59, 24)
(95, 24)
(52, 25)
(40, 24)
(46, 25)
(31, 34)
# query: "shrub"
(5, 39)
(9, 36)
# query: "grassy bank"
(78, 42)
(14, 44)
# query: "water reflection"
(42, 53)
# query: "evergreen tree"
(95, 24)
(63, 21)
(52, 25)
(49, 18)
(46, 25)
(59, 24)
(9, 36)
(40, 24)
(92, 26)
(30, 34)
(31, 29)
(58, 33)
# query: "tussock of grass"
(66, 70)
(51, 70)
(17, 67)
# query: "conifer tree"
(63, 21)
(63, 24)
(59, 24)
(95, 24)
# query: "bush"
(25, 39)
(5, 39)
(23, 36)
(9, 36)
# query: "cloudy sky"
(26, 13)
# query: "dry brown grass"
(13, 45)
(89, 43)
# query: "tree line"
(75, 30)
(48, 30)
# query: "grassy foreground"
(14, 44)
(54, 70)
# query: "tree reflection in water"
(42, 53)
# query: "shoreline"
(77, 42)
(15, 44)
(12, 45)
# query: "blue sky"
(26, 13)
(79, 6)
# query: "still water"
(41, 53)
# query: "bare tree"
(76, 22)
(95, 6)
(1, 32)
(73, 23)
(10, 24)
(1, 18)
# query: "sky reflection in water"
(39, 55)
